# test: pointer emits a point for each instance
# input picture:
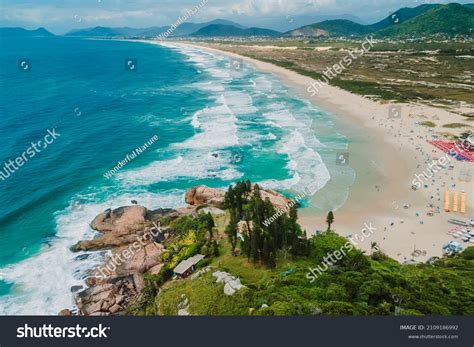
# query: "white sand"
(386, 154)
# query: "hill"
(425, 19)
(182, 30)
(220, 30)
(101, 32)
(401, 16)
(337, 27)
(451, 19)
(20, 32)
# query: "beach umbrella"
(455, 202)
(446, 201)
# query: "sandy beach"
(386, 154)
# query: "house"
(186, 267)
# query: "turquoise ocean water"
(217, 121)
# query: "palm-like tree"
(374, 246)
(330, 220)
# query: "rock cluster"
(231, 283)
(183, 306)
(122, 226)
(204, 195)
(107, 298)
(133, 238)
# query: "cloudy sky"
(60, 16)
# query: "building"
(186, 267)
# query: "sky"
(60, 16)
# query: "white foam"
(217, 127)
(208, 86)
(240, 103)
(195, 120)
(192, 165)
(305, 162)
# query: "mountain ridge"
(423, 19)
(21, 32)
(184, 29)
(215, 30)
(427, 19)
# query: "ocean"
(217, 120)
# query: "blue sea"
(217, 120)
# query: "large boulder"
(145, 259)
(104, 242)
(277, 200)
(204, 195)
(121, 220)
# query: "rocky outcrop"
(133, 234)
(215, 197)
(277, 200)
(124, 226)
(144, 259)
(104, 242)
(107, 298)
(122, 220)
(204, 195)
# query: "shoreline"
(398, 150)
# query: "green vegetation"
(330, 220)
(189, 239)
(450, 19)
(357, 284)
(455, 125)
(424, 20)
(428, 124)
(434, 72)
(221, 30)
(336, 27)
(265, 231)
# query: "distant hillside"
(401, 16)
(102, 32)
(182, 30)
(451, 19)
(20, 32)
(421, 20)
(337, 27)
(187, 29)
(230, 30)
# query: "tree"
(231, 231)
(330, 220)
(272, 261)
(215, 248)
(254, 244)
(210, 224)
(374, 246)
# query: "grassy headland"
(357, 284)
